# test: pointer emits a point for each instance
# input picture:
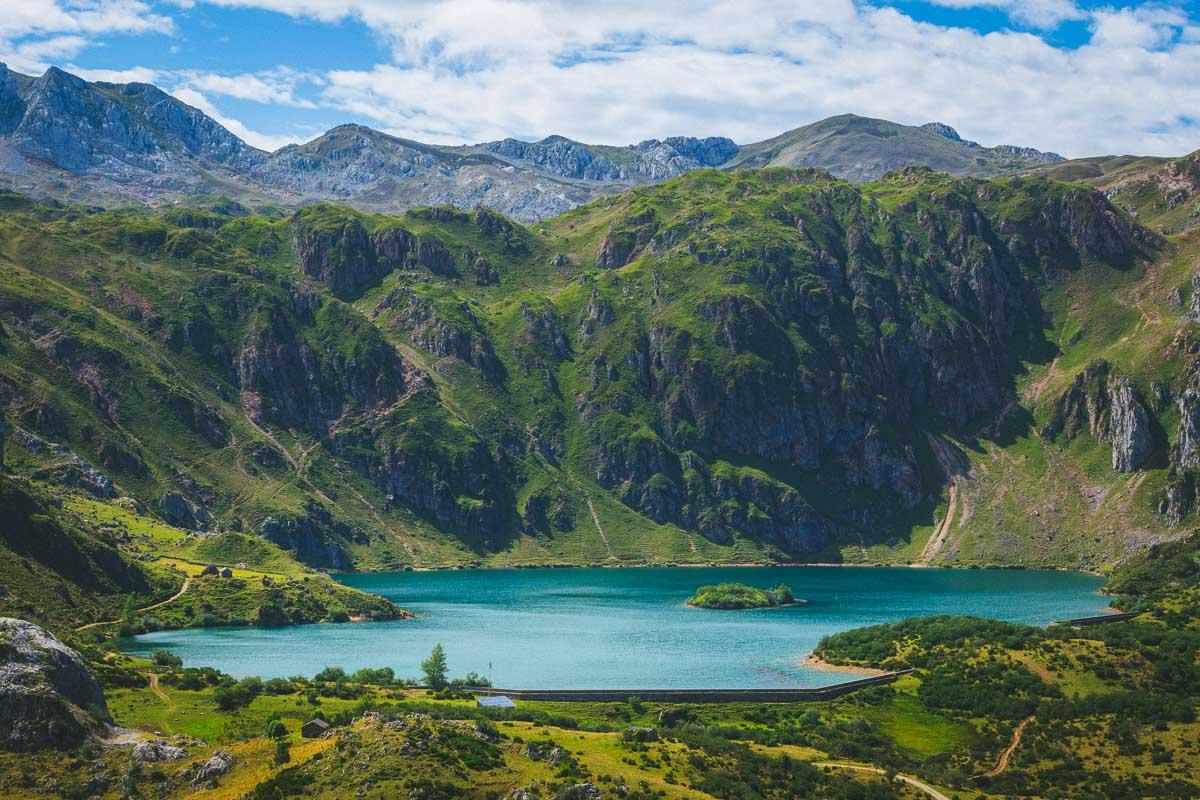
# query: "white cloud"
(33, 32)
(1034, 13)
(131, 75)
(751, 72)
(277, 86)
(262, 141)
(624, 70)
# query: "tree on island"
(435, 668)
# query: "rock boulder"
(48, 695)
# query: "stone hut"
(314, 729)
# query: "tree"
(282, 751)
(166, 659)
(435, 668)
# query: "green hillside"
(726, 367)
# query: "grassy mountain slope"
(725, 367)
(1163, 193)
(863, 149)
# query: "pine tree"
(435, 668)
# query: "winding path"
(1002, 764)
(187, 582)
(599, 527)
(914, 782)
(154, 687)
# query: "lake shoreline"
(730, 565)
(601, 629)
(812, 661)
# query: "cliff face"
(1107, 407)
(755, 357)
(822, 332)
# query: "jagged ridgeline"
(723, 366)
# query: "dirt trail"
(599, 527)
(166, 698)
(914, 782)
(187, 582)
(1002, 764)
(955, 465)
(938, 539)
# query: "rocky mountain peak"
(942, 129)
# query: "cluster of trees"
(732, 596)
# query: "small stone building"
(314, 729)
(226, 572)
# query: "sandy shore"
(815, 663)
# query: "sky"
(1073, 76)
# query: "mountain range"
(713, 355)
(61, 136)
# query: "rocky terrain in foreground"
(48, 694)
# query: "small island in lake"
(732, 596)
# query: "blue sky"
(1074, 76)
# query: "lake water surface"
(626, 628)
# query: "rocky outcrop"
(1108, 408)
(598, 313)
(484, 273)
(626, 240)
(217, 765)
(315, 537)
(151, 751)
(178, 511)
(341, 256)
(457, 333)
(1129, 427)
(295, 374)
(544, 338)
(48, 695)
(1183, 477)
(1193, 312)
(336, 249)
(652, 159)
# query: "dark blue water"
(626, 628)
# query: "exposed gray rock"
(635, 733)
(176, 510)
(48, 695)
(597, 314)
(1186, 454)
(540, 752)
(217, 765)
(580, 791)
(1109, 408)
(134, 142)
(154, 750)
(1129, 427)
(312, 537)
(456, 334)
(1193, 313)
(651, 159)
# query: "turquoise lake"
(626, 628)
